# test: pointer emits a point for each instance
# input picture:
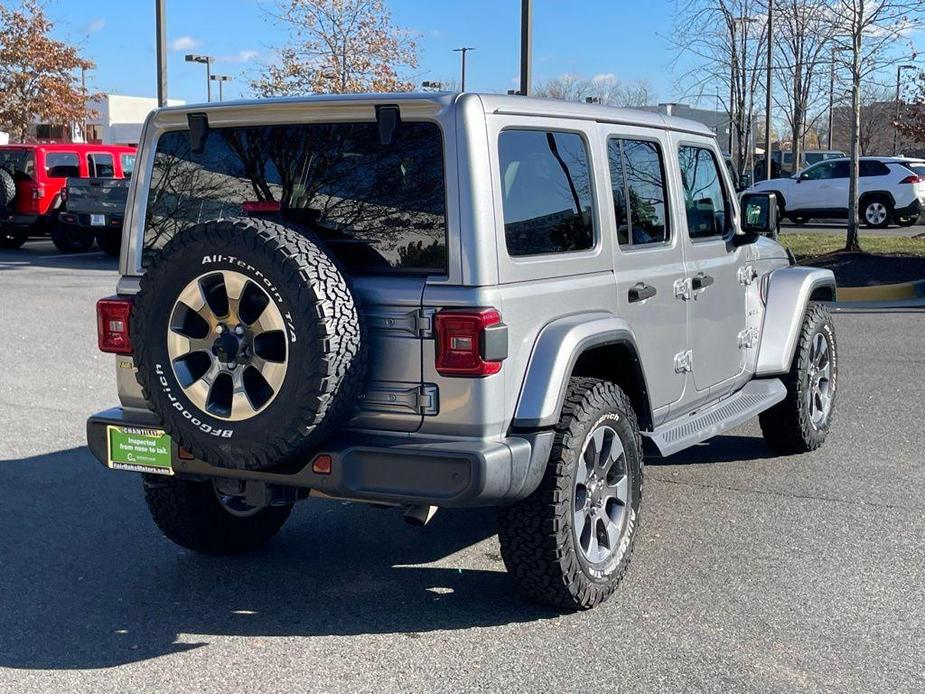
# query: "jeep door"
(717, 302)
(649, 258)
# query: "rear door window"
(62, 164)
(100, 165)
(379, 208)
(874, 168)
(638, 182)
(546, 192)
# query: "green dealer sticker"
(139, 450)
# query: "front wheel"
(569, 543)
(71, 239)
(800, 423)
(200, 517)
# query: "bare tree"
(37, 72)
(338, 46)
(912, 122)
(605, 89)
(726, 41)
(866, 34)
(802, 60)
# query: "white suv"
(892, 189)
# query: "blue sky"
(625, 38)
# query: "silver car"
(446, 301)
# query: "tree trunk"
(851, 241)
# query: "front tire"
(191, 515)
(569, 543)
(800, 423)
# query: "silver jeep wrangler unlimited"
(447, 300)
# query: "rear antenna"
(198, 131)
(388, 116)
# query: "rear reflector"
(461, 342)
(321, 465)
(260, 206)
(112, 325)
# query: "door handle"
(701, 282)
(641, 292)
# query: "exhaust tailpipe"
(419, 515)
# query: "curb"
(882, 293)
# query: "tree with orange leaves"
(37, 72)
(338, 47)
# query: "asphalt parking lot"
(751, 572)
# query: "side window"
(546, 192)
(820, 172)
(62, 164)
(873, 168)
(128, 165)
(708, 208)
(638, 181)
(101, 165)
(842, 170)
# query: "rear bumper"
(383, 468)
(21, 222)
(80, 219)
(913, 209)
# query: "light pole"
(899, 70)
(160, 24)
(462, 51)
(767, 94)
(220, 79)
(207, 60)
(526, 46)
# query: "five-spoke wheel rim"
(227, 344)
(602, 495)
(876, 213)
(821, 387)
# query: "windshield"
(379, 208)
(18, 161)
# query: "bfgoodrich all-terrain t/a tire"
(800, 422)
(190, 514)
(248, 342)
(569, 543)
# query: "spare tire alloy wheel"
(230, 361)
(248, 342)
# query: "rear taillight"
(38, 192)
(112, 325)
(913, 179)
(470, 342)
(260, 206)
(63, 195)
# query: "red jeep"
(32, 177)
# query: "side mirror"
(759, 217)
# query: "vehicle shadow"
(43, 254)
(720, 449)
(86, 581)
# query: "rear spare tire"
(248, 342)
(7, 189)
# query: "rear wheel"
(12, 239)
(877, 212)
(569, 543)
(71, 239)
(110, 242)
(198, 516)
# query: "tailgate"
(395, 398)
(97, 195)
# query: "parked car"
(447, 300)
(889, 191)
(32, 177)
(94, 208)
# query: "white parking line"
(71, 255)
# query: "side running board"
(753, 399)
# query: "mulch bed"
(854, 269)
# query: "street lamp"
(207, 60)
(899, 70)
(462, 51)
(220, 79)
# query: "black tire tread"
(786, 426)
(190, 515)
(7, 189)
(534, 532)
(312, 277)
